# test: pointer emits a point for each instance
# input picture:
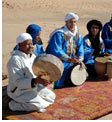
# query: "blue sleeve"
(55, 45)
(105, 35)
(39, 50)
(88, 51)
(80, 48)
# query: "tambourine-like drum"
(100, 65)
(109, 69)
(75, 76)
(48, 66)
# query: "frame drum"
(75, 76)
(48, 66)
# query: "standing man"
(66, 43)
(28, 92)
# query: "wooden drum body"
(75, 76)
(48, 66)
(100, 65)
(109, 69)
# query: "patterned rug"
(86, 102)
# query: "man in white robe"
(28, 92)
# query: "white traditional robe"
(26, 98)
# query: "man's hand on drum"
(76, 60)
(73, 60)
(106, 54)
(41, 81)
(82, 65)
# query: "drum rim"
(78, 65)
(58, 67)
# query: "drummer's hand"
(41, 81)
(74, 60)
(82, 65)
(106, 54)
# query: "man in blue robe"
(93, 46)
(66, 43)
(107, 36)
(35, 31)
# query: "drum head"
(108, 57)
(101, 59)
(78, 76)
(48, 66)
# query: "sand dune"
(49, 14)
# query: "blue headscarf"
(33, 30)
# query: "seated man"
(107, 36)
(66, 43)
(28, 92)
(35, 31)
(93, 46)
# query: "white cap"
(23, 37)
(71, 15)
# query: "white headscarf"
(71, 15)
(65, 30)
(23, 37)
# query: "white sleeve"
(17, 74)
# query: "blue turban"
(33, 30)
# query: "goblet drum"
(100, 65)
(109, 68)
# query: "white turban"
(71, 15)
(23, 37)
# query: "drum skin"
(78, 76)
(48, 66)
(75, 76)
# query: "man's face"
(94, 30)
(71, 24)
(37, 38)
(26, 46)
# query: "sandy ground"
(49, 14)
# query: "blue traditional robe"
(89, 50)
(89, 57)
(61, 46)
(107, 36)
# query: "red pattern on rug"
(86, 102)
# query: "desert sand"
(49, 14)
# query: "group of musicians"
(67, 44)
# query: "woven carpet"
(86, 102)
